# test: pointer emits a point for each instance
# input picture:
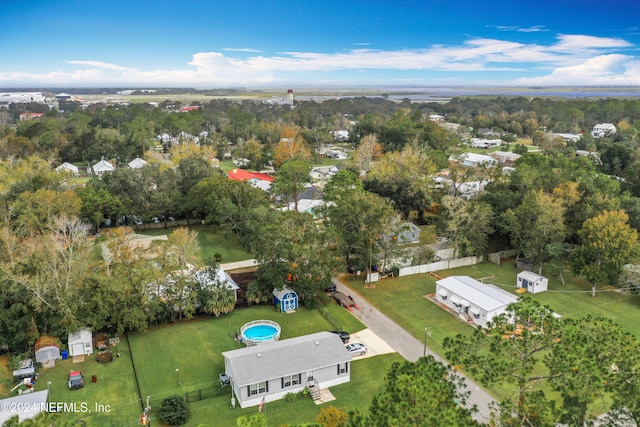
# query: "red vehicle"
(76, 380)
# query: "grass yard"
(115, 387)
(195, 349)
(402, 300)
(212, 240)
(367, 378)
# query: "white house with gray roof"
(473, 301)
(273, 369)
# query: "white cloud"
(532, 29)
(100, 64)
(606, 70)
(573, 41)
(241, 49)
(572, 59)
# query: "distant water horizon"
(444, 93)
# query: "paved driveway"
(408, 346)
(375, 344)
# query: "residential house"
(340, 135)
(167, 139)
(30, 405)
(475, 160)
(28, 115)
(102, 167)
(188, 108)
(603, 129)
(505, 158)
(322, 174)
(240, 162)
(261, 184)
(485, 143)
(137, 163)
(568, 137)
(221, 276)
(310, 206)
(68, 167)
(257, 179)
(468, 190)
(436, 118)
(336, 154)
(471, 300)
(269, 371)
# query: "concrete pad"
(325, 396)
(375, 344)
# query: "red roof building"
(189, 108)
(243, 175)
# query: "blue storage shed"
(285, 299)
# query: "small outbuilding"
(285, 299)
(81, 342)
(68, 167)
(47, 349)
(532, 282)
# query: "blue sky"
(260, 43)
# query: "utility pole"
(426, 333)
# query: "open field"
(212, 240)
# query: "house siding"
(317, 355)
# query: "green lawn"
(402, 299)
(367, 378)
(212, 240)
(195, 349)
(115, 386)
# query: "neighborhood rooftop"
(486, 296)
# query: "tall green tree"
(290, 180)
(293, 249)
(509, 350)
(363, 221)
(213, 294)
(607, 243)
(594, 359)
(469, 224)
(178, 261)
(536, 225)
(421, 393)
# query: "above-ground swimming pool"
(259, 331)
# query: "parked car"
(76, 380)
(330, 289)
(356, 349)
(344, 336)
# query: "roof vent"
(259, 355)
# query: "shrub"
(174, 410)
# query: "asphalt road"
(409, 347)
